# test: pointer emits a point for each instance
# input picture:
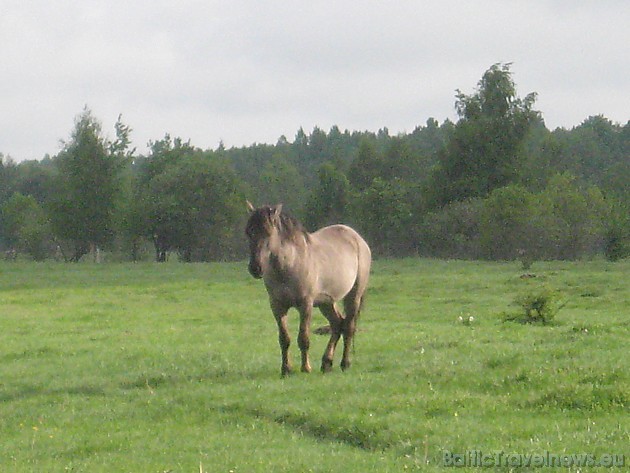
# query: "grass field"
(175, 367)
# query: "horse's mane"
(290, 227)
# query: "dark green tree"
(25, 226)
(8, 175)
(383, 214)
(86, 189)
(485, 149)
(281, 182)
(187, 201)
(508, 224)
(367, 165)
(327, 203)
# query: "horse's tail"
(364, 263)
(357, 317)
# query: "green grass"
(175, 367)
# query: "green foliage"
(496, 185)
(88, 182)
(366, 166)
(485, 150)
(539, 306)
(508, 224)
(328, 201)
(577, 216)
(25, 226)
(617, 238)
(281, 182)
(383, 213)
(187, 202)
(451, 232)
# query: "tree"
(327, 203)
(383, 214)
(452, 231)
(366, 166)
(191, 206)
(578, 215)
(37, 179)
(281, 182)
(25, 226)
(8, 173)
(508, 224)
(89, 170)
(485, 148)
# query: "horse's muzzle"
(255, 270)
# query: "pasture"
(176, 367)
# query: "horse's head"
(261, 226)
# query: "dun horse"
(304, 270)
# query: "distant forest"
(496, 184)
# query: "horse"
(303, 270)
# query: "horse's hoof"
(327, 366)
(286, 371)
(306, 369)
(345, 365)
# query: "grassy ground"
(174, 367)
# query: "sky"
(242, 72)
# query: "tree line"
(495, 184)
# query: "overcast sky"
(250, 71)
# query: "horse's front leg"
(280, 313)
(304, 338)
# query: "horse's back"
(342, 241)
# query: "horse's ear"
(277, 210)
(250, 207)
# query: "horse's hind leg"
(352, 306)
(335, 320)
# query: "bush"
(617, 245)
(617, 241)
(537, 307)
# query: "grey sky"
(251, 71)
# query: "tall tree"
(327, 202)
(87, 184)
(25, 226)
(8, 172)
(485, 149)
(367, 165)
(198, 202)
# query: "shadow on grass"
(362, 437)
(31, 391)
(149, 381)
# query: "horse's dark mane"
(290, 227)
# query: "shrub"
(617, 241)
(537, 307)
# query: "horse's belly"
(334, 286)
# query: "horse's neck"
(285, 253)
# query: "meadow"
(176, 368)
